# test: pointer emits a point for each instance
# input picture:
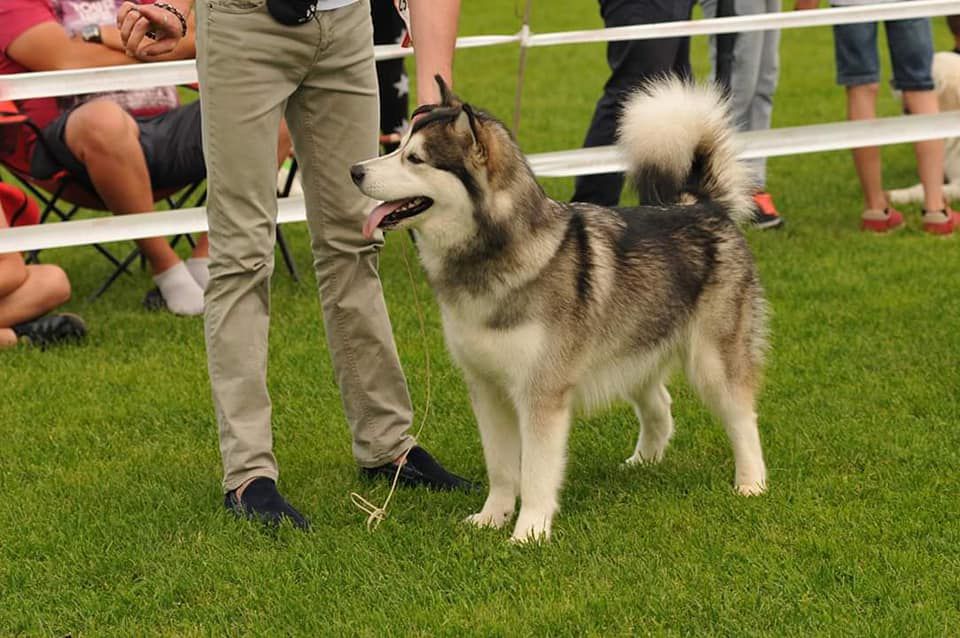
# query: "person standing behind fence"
(312, 60)
(747, 65)
(631, 64)
(858, 69)
(392, 79)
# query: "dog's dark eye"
(413, 159)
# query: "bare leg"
(544, 428)
(202, 249)
(861, 105)
(929, 153)
(43, 288)
(284, 143)
(652, 407)
(500, 435)
(105, 138)
(8, 338)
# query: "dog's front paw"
(645, 458)
(649, 451)
(489, 518)
(531, 528)
(751, 489)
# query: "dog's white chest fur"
(506, 354)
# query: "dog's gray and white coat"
(549, 306)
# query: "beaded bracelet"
(175, 11)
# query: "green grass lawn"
(111, 521)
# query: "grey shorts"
(171, 143)
(911, 53)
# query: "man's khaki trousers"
(321, 77)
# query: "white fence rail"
(782, 141)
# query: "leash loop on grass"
(376, 515)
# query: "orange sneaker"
(881, 221)
(941, 222)
(765, 214)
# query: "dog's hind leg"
(728, 389)
(544, 428)
(500, 435)
(651, 403)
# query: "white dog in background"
(946, 78)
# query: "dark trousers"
(392, 78)
(631, 63)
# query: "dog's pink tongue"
(376, 216)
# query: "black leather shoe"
(263, 502)
(421, 469)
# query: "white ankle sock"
(199, 268)
(180, 291)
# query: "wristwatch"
(91, 33)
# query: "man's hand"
(801, 5)
(135, 20)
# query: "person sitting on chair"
(125, 145)
(28, 293)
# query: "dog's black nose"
(356, 172)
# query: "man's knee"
(13, 273)
(100, 127)
(53, 281)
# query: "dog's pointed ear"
(467, 124)
(447, 96)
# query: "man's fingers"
(148, 19)
(126, 26)
(136, 36)
(152, 49)
(125, 9)
(163, 19)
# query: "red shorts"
(18, 208)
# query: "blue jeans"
(911, 52)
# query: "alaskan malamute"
(549, 306)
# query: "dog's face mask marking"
(431, 180)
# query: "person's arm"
(433, 28)
(47, 47)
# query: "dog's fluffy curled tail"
(676, 137)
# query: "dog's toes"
(529, 539)
(651, 458)
(495, 520)
(531, 529)
(751, 489)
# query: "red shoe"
(765, 214)
(881, 221)
(941, 222)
